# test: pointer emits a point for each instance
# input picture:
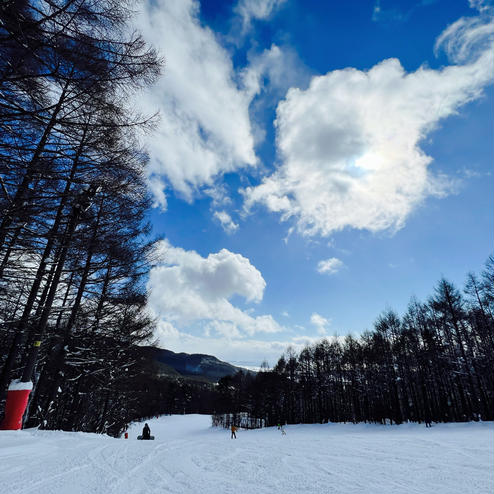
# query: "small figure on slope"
(146, 432)
(233, 429)
(428, 419)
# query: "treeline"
(73, 200)
(435, 363)
(172, 396)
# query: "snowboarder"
(234, 429)
(146, 432)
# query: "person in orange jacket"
(234, 429)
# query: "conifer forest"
(433, 363)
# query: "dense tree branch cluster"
(435, 363)
(73, 200)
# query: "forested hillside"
(195, 365)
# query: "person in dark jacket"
(146, 432)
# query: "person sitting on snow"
(146, 432)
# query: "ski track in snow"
(188, 456)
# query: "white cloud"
(245, 352)
(226, 221)
(198, 99)
(186, 289)
(466, 37)
(350, 144)
(481, 5)
(320, 322)
(274, 70)
(249, 352)
(266, 79)
(157, 187)
(256, 9)
(219, 195)
(329, 266)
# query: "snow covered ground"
(189, 457)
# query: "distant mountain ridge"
(195, 365)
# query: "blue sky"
(315, 163)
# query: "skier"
(428, 418)
(146, 432)
(234, 429)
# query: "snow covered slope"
(190, 457)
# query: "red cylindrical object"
(126, 435)
(16, 406)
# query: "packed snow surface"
(188, 456)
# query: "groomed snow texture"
(190, 457)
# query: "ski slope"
(190, 457)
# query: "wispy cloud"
(274, 70)
(329, 266)
(468, 36)
(320, 322)
(250, 351)
(391, 13)
(256, 9)
(226, 221)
